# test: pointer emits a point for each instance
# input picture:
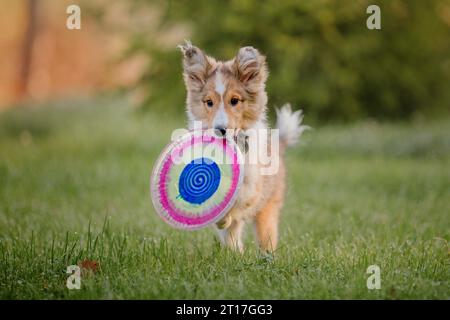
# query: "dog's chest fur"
(254, 193)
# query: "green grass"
(74, 185)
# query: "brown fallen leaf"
(89, 266)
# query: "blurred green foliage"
(322, 58)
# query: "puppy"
(231, 95)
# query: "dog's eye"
(234, 101)
(209, 103)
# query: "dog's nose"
(221, 131)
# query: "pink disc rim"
(162, 203)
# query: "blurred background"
(85, 113)
(322, 57)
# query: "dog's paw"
(225, 223)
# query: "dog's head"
(225, 95)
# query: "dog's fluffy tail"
(289, 124)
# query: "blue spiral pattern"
(199, 180)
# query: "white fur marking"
(221, 118)
(220, 86)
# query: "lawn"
(74, 186)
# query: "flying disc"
(196, 179)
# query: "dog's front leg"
(266, 225)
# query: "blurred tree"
(321, 56)
(27, 48)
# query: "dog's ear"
(250, 66)
(196, 66)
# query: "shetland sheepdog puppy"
(231, 95)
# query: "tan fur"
(261, 196)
